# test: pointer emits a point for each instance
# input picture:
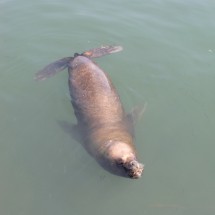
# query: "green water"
(168, 61)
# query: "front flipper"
(72, 129)
(53, 68)
(101, 51)
(134, 116)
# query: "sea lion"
(105, 127)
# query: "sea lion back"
(93, 95)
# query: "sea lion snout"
(124, 159)
(134, 169)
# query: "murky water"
(168, 62)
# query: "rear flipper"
(53, 68)
(59, 65)
(101, 51)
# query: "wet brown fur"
(99, 113)
(106, 130)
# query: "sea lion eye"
(119, 162)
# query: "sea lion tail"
(101, 51)
(53, 68)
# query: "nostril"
(132, 163)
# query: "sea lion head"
(122, 160)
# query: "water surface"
(168, 61)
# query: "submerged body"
(104, 126)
